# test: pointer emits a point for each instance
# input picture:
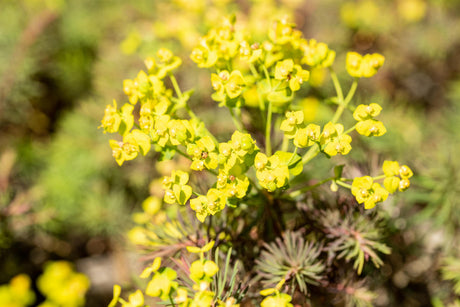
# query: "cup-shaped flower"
(405, 172)
(160, 133)
(334, 141)
(242, 144)
(368, 192)
(308, 136)
(180, 131)
(371, 127)
(364, 112)
(271, 173)
(235, 84)
(248, 53)
(390, 168)
(200, 206)
(367, 66)
(293, 121)
(317, 54)
(132, 144)
(298, 77)
(282, 32)
(111, 120)
(167, 62)
(283, 69)
(155, 266)
(176, 188)
(203, 55)
(162, 284)
(203, 153)
(135, 299)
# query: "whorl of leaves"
(293, 258)
(353, 237)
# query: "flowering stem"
(378, 177)
(342, 102)
(268, 128)
(180, 96)
(236, 122)
(352, 91)
(285, 144)
(310, 154)
(350, 130)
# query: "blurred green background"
(62, 195)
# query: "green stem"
(171, 300)
(311, 187)
(267, 76)
(352, 91)
(378, 177)
(350, 130)
(285, 144)
(236, 122)
(254, 71)
(268, 128)
(180, 96)
(310, 154)
(343, 184)
(342, 102)
(338, 88)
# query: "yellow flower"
(368, 192)
(367, 66)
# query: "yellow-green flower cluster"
(62, 286)
(176, 188)
(317, 54)
(271, 172)
(334, 141)
(368, 192)
(367, 125)
(234, 159)
(157, 121)
(396, 177)
(219, 46)
(133, 142)
(273, 67)
(294, 128)
(363, 66)
(228, 87)
(292, 73)
(203, 153)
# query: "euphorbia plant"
(260, 80)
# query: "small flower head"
(293, 121)
(363, 66)
(317, 54)
(176, 188)
(364, 112)
(371, 127)
(308, 136)
(368, 192)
